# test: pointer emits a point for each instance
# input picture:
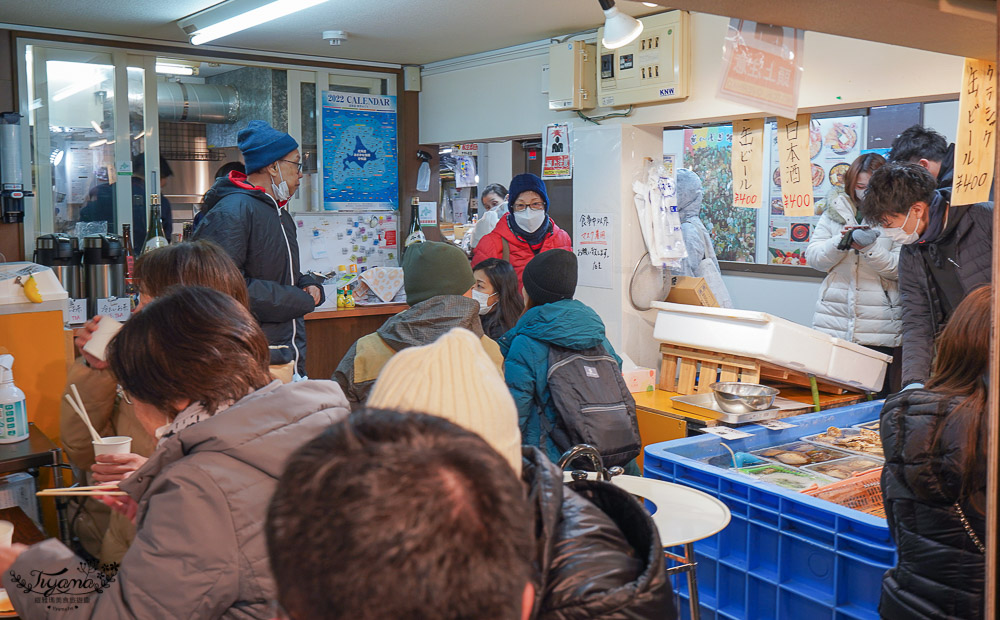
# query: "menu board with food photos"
(833, 144)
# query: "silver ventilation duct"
(197, 103)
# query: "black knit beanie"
(550, 276)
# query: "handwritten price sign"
(975, 144)
(796, 171)
(748, 159)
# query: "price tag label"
(118, 308)
(776, 425)
(77, 313)
(726, 433)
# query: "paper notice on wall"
(592, 243)
(796, 171)
(975, 142)
(465, 171)
(747, 162)
(428, 214)
(762, 66)
(557, 163)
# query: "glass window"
(72, 95)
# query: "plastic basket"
(862, 491)
(785, 555)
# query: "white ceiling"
(396, 31)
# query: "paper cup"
(113, 445)
(97, 346)
(6, 533)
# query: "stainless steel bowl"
(743, 397)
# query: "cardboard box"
(640, 379)
(691, 291)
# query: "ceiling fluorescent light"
(225, 19)
(619, 29)
(164, 68)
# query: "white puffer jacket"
(859, 299)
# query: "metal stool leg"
(692, 577)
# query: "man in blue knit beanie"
(245, 214)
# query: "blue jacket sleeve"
(518, 370)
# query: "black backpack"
(593, 404)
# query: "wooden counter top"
(380, 310)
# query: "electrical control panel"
(655, 67)
(572, 76)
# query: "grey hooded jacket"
(199, 550)
(701, 261)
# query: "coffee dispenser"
(104, 267)
(62, 253)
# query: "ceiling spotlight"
(619, 29)
(650, 4)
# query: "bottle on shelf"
(414, 234)
(155, 236)
(130, 289)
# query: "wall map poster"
(833, 144)
(708, 153)
(360, 165)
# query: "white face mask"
(899, 235)
(530, 220)
(280, 191)
(860, 193)
(484, 301)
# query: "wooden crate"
(693, 364)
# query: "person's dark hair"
(916, 143)
(869, 162)
(193, 342)
(194, 263)
(962, 360)
(139, 166)
(510, 304)
(392, 515)
(893, 189)
(233, 166)
(494, 188)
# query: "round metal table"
(682, 516)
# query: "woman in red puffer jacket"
(527, 229)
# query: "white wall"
(839, 73)
(605, 160)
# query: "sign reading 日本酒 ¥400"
(796, 171)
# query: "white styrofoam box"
(13, 293)
(771, 339)
(19, 490)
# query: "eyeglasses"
(535, 206)
(297, 163)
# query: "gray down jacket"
(963, 250)
(199, 550)
(260, 238)
(859, 298)
(701, 261)
(598, 554)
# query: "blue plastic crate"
(784, 555)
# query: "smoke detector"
(335, 37)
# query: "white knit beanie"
(453, 378)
